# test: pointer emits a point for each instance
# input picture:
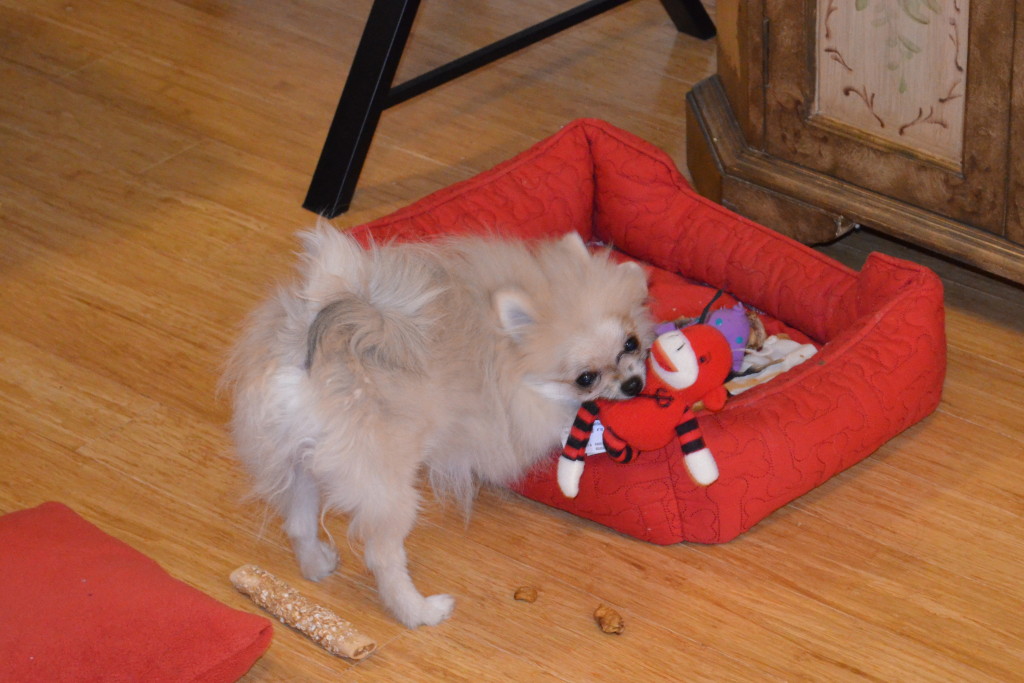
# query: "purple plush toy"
(734, 324)
(731, 322)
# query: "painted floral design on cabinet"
(896, 69)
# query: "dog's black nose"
(632, 386)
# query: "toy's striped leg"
(618, 450)
(579, 435)
(571, 462)
(696, 455)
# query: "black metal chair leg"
(690, 18)
(359, 109)
(368, 90)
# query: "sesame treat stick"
(320, 624)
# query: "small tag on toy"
(596, 443)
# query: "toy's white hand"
(569, 473)
(702, 466)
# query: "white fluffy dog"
(468, 356)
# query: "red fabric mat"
(79, 605)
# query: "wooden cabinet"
(901, 115)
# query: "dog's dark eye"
(631, 345)
(588, 378)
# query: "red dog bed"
(880, 332)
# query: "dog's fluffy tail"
(376, 301)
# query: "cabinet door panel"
(897, 97)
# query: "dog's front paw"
(317, 560)
(437, 608)
(429, 611)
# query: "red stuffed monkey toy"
(684, 366)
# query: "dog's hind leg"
(383, 524)
(300, 505)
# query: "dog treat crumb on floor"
(320, 624)
(609, 620)
(526, 594)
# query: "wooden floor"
(153, 157)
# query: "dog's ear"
(573, 242)
(515, 312)
(637, 275)
(634, 269)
